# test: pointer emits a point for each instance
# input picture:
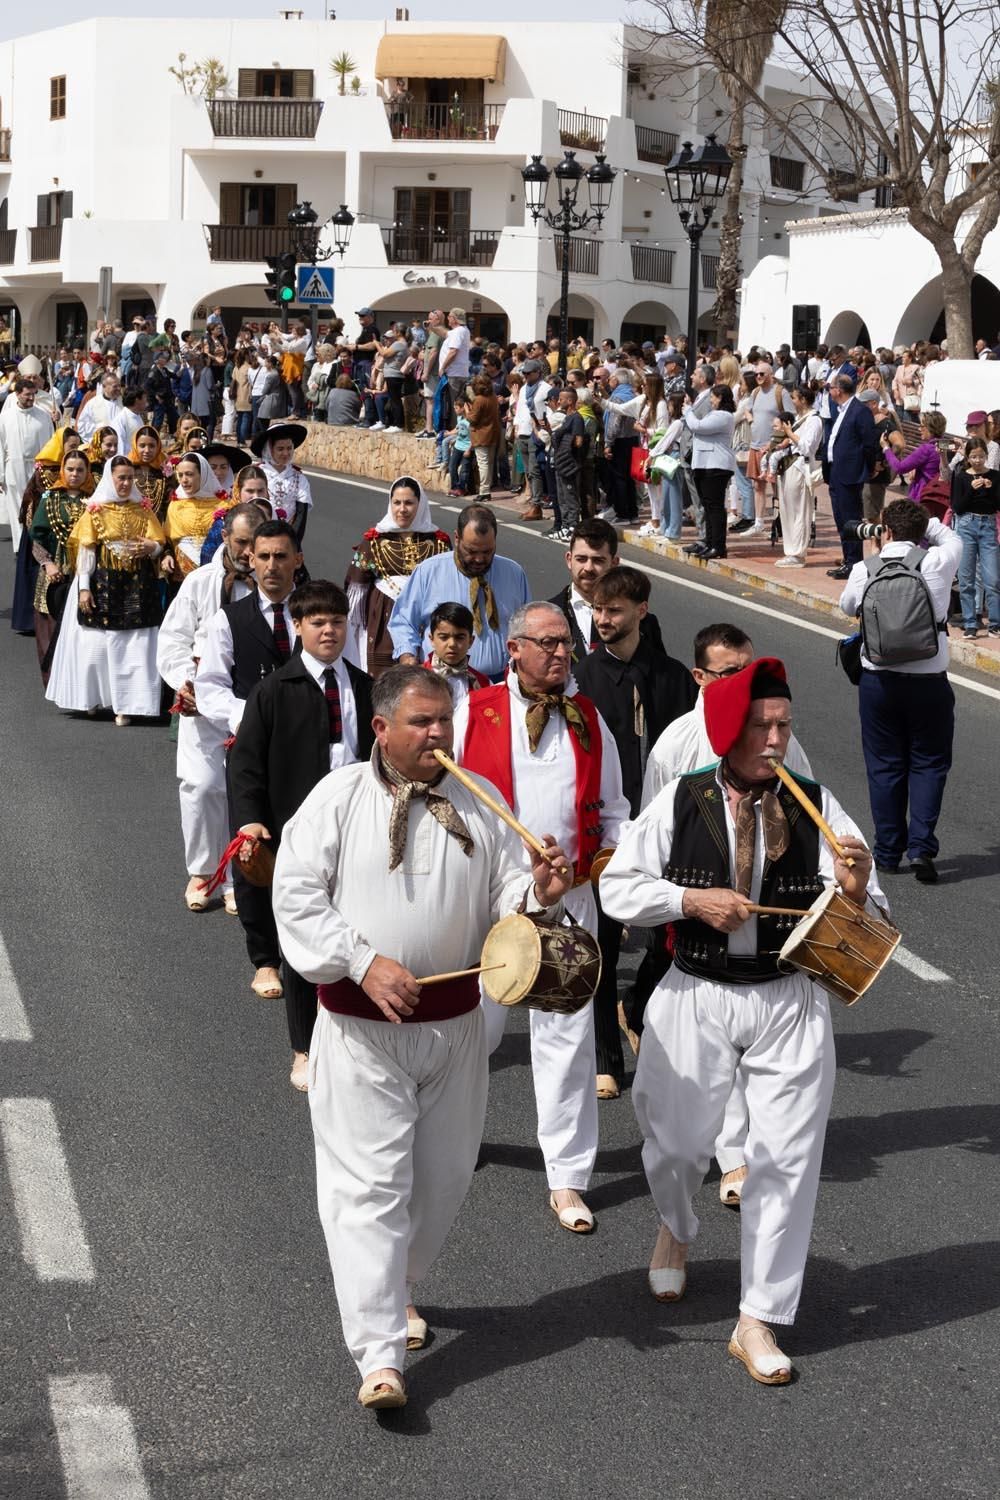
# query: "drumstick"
(811, 809)
(459, 973)
(774, 911)
(502, 812)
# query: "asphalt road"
(192, 1347)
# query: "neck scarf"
(480, 597)
(422, 519)
(443, 669)
(542, 705)
(106, 494)
(208, 485)
(404, 792)
(156, 462)
(776, 832)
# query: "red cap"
(728, 699)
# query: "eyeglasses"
(726, 672)
(550, 644)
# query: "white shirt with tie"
(345, 752)
(836, 428)
(214, 682)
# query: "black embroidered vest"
(254, 651)
(699, 857)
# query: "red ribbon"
(232, 848)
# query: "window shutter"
(65, 206)
(284, 201)
(41, 210)
(302, 83)
(3, 213)
(461, 199)
(229, 203)
(246, 83)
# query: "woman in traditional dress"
(225, 460)
(51, 525)
(288, 488)
(797, 481)
(190, 439)
(250, 484)
(102, 446)
(193, 509)
(152, 481)
(383, 560)
(105, 655)
(45, 474)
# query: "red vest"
(487, 750)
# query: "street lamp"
(696, 180)
(304, 221)
(565, 218)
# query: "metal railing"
(44, 241)
(466, 247)
(5, 144)
(788, 173)
(8, 244)
(655, 145)
(443, 122)
(582, 132)
(285, 119)
(653, 263)
(584, 256)
(248, 241)
(709, 272)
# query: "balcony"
(655, 145)
(44, 241)
(443, 122)
(584, 256)
(5, 145)
(652, 263)
(8, 244)
(581, 132)
(466, 247)
(280, 119)
(709, 272)
(248, 241)
(788, 173)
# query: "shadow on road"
(880, 1054)
(854, 1145)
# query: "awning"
(437, 55)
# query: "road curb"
(965, 652)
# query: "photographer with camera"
(906, 702)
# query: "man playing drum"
(376, 856)
(711, 844)
(554, 759)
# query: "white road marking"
(97, 1441)
(684, 583)
(920, 967)
(52, 1235)
(14, 1023)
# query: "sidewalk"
(753, 563)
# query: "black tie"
(332, 692)
(281, 642)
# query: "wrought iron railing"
(582, 132)
(584, 256)
(8, 244)
(653, 263)
(466, 247)
(709, 272)
(248, 241)
(282, 119)
(788, 173)
(655, 145)
(44, 241)
(443, 122)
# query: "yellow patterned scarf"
(480, 594)
(537, 717)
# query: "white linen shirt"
(214, 682)
(181, 636)
(938, 569)
(345, 752)
(337, 906)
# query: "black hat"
(236, 458)
(294, 430)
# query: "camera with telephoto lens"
(865, 531)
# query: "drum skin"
(548, 966)
(839, 946)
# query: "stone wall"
(371, 455)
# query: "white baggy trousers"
(697, 1032)
(397, 1116)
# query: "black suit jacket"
(282, 748)
(563, 601)
(666, 690)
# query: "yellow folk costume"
(190, 517)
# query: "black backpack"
(898, 622)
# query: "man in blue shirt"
(492, 587)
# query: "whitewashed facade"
(106, 162)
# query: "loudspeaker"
(805, 325)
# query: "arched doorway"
(848, 328)
(486, 319)
(985, 314)
(582, 314)
(648, 320)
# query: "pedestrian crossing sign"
(315, 284)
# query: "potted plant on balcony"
(343, 65)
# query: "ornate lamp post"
(565, 218)
(304, 220)
(696, 180)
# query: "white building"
(868, 277)
(105, 161)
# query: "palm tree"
(745, 35)
(343, 65)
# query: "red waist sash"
(438, 1002)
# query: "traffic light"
(280, 278)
